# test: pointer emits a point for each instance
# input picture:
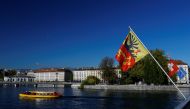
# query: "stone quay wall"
(132, 87)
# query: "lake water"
(91, 99)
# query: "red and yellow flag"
(130, 52)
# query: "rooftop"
(49, 70)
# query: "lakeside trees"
(152, 72)
(109, 74)
(90, 80)
(7, 73)
(10, 73)
(145, 70)
(68, 75)
(1, 74)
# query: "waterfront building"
(81, 74)
(78, 75)
(48, 74)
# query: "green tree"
(133, 75)
(68, 75)
(109, 74)
(123, 78)
(152, 72)
(1, 74)
(147, 70)
(90, 80)
(137, 73)
(10, 72)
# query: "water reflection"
(37, 103)
(36, 99)
(91, 99)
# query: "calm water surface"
(91, 99)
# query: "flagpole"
(159, 65)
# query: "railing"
(52, 82)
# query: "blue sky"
(77, 33)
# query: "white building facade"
(80, 75)
(45, 75)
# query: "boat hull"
(40, 95)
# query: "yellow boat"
(40, 94)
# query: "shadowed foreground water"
(91, 99)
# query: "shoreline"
(136, 87)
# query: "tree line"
(146, 70)
(7, 73)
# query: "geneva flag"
(130, 52)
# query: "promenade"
(136, 87)
(36, 84)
